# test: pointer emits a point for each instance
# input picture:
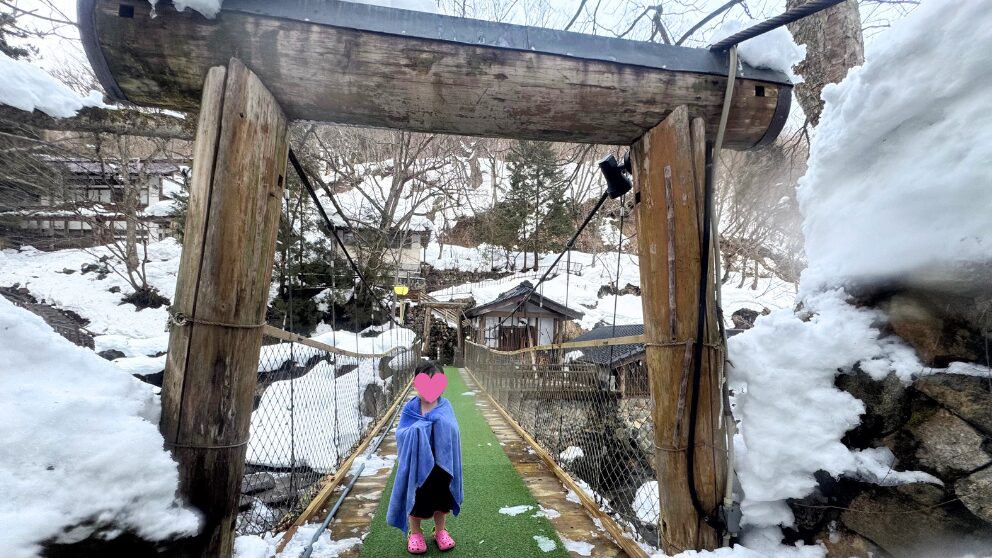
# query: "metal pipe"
(799, 12)
(334, 510)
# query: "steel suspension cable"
(330, 227)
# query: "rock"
(373, 400)
(842, 542)
(916, 521)
(948, 445)
(975, 492)
(744, 318)
(254, 483)
(111, 354)
(966, 396)
(283, 491)
(115, 289)
(938, 336)
(886, 405)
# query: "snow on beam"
(383, 67)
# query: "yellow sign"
(401, 290)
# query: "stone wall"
(940, 424)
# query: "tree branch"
(707, 19)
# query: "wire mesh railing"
(593, 419)
(314, 405)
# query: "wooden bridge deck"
(355, 516)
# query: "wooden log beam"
(224, 273)
(382, 67)
(669, 171)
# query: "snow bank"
(324, 407)
(90, 297)
(775, 50)
(646, 503)
(254, 546)
(898, 180)
(80, 450)
(571, 453)
(209, 8)
(780, 385)
(581, 290)
(28, 87)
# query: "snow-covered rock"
(80, 450)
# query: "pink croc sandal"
(416, 544)
(444, 540)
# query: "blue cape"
(415, 459)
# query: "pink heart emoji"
(430, 387)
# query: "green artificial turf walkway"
(490, 483)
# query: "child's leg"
(439, 521)
(415, 528)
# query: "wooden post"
(427, 331)
(669, 176)
(459, 340)
(222, 289)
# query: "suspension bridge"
(271, 429)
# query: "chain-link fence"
(314, 405)
(594, 420)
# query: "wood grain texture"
(676, 148)
(326, 73)
(225, 269)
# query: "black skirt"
(434, 495)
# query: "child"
(429, 468)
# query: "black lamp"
(617, 181)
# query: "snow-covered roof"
(85, 166)
(516, 294)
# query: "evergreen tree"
(534, 211)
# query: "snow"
(646, 504)
(898, 183)
(209, 8)
(80, 450)
(164, 208)
(545, 544)
(141, 365)
(515, 510)
(264, 546)
(132, 346)
(774, 50)
(571, 453)
(781, 384)
(374, 463)
(549, 513)
(27, 87)
(578, 547)
(324, 406)
(876, 465)
(766, 545)
(581, 292)
(90, 297)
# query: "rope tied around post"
(180, 319)
(206, 447)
